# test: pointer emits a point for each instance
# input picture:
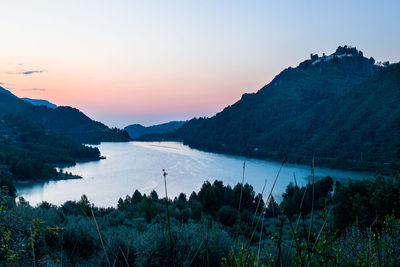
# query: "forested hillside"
(29, 151)
(33, 139)
(64, 120)
(137, 130)
(340, 108)
(39, 102)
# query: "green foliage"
(23, 239)
(137, 233)
(227, 215)
(241, 256)
(366, 202)
(7, 186)
(295, 197)
(149, 208)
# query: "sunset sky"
(124, 62)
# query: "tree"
(209, 198)
(247, 199)
(7, 185)
(182, 197)
(193, 197)
(84, 205)
(272, 209)
(154, 195)
(259, 202)
(196, 210)
(136, 197)
(149, 208)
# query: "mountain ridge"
(65, 120)
(39, 102)
(137, 130)
(294, 116)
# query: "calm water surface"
(138, 165)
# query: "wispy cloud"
(2, 83)
(29, 72)
(34, 89)
(26, 72)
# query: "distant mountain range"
(67, 121)
(39, 102)
(343, 109)
(137, 130)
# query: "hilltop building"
(341, 51)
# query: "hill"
(137, 130)
(29, 151)
(5, 91)
(39, 102)
(64, 120)
(340, 108)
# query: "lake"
(138, 165)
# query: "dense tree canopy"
(29, 151)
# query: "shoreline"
(59, 177)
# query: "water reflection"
(137, 165)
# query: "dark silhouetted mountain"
(137, 130)
(341, 108)
(5, 91)
(39, 102)
(64, 120)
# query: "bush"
(227, 215)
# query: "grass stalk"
(259, 242)
(166, 204)
(312, 200)
(240, 197)
(317, 239)
(296, 240)
(241, 188)
(123, 255)
(268, 199)
(301, 216)
(263, 213)
(278, 262)
(197, 251)
(258, 203)
(33, 250)
(379, 250)
(101, 239)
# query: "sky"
(124, 62)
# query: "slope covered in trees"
(341, 108)
(64, 120)
(29, 151)
(137, 130)
(39, 102)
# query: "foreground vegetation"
(352, 223)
